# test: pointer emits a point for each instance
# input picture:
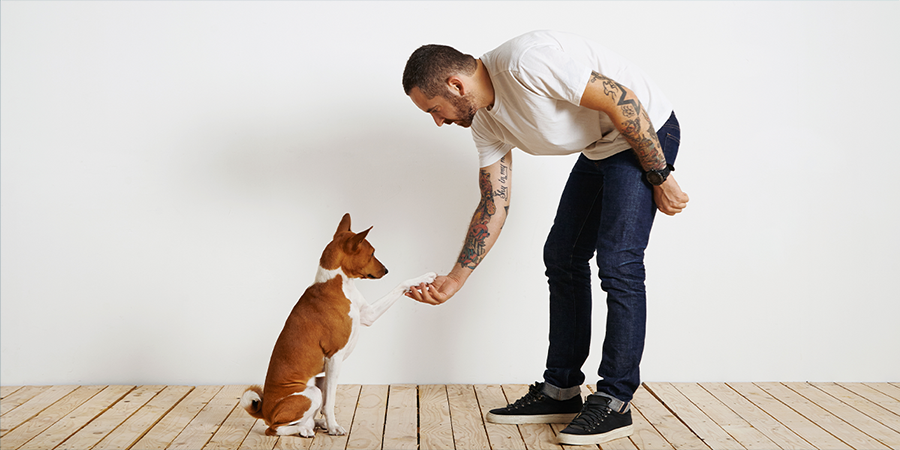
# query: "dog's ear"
(352, 244)
(344, 225)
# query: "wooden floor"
(666, 416)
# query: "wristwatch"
(657, 177)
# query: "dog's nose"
(385, 271)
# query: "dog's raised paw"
(428, 278)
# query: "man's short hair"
(429, 67)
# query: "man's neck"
(482, 79)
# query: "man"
(551, 93)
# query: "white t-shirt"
(538, 81)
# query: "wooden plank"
(775, 431)
(890, 389)
(172, 424)
(296, 442)
(704, 427)
(33, 406)
(78, 418)
(500, 436)
(873, 434)
(33, 427)
(645, 436)
(19, 397)
(344, 410)
(110, 419)
(257, 440)
(863, 405)
(465, 417)
(202, 427)
(233, 431)
(784, 414)
(880, 399)
(536, 436)
(434, 418)
(669, 426)
(137, 425)
(400, 425)
(828, 421)
(6, 391)
(733, 424)
(367, 430)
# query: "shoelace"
(533, 395)
(591, 416)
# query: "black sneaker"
(596, 423)
(535, 407)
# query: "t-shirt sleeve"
(490, 148)
(549, 71)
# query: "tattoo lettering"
(475, 246)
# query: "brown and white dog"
(319, 334)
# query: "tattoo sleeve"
(636, 126)
(477, 241)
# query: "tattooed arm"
(631, 119)
(495, 183)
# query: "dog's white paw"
(428, 278)
(336, 430)
(307, 432)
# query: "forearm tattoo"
(475, 247)
(637, 129)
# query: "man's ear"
(456, 86)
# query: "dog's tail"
(252, 401)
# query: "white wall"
(172, 170)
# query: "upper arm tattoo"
(637, 128)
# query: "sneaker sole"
(518, 420)
(588, 439)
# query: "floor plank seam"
(672, 412)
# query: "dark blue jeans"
(606, 208)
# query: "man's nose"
(437, 120)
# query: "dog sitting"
(320, 332)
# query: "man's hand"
(437, 292)
(669, 197)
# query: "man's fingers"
(426, 294)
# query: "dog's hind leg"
(296, 413)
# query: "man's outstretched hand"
(435, 293)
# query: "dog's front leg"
(369, 313)
(332, 371)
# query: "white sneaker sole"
(518, 420)
(588, 439)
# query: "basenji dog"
(320, 332)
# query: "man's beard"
(465, 110)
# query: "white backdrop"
(172, 170)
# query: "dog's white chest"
(356, 299)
